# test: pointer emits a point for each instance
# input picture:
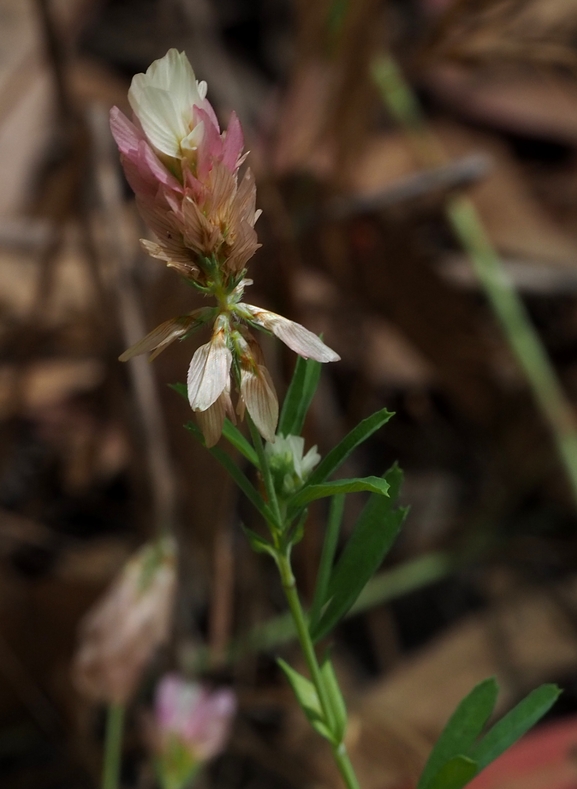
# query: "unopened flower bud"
(289, 465)
(125, 627)
(191, 725)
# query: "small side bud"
(289, 465)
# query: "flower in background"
(184, 172)
(122, 631)
(191, 725)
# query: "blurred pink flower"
(191, 725)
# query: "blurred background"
(356, 245)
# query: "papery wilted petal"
(209, 372)
(169, 331)
(257, 392)
(120, 634)
(298, 339)
(211, 421)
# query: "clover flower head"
(191, 725)
(185, 174)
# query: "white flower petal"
(162, 100)
(209, 372)
(161, 119)
(298, 339)
(193, 140)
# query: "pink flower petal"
(233, 143)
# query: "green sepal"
(308, 700)
(257, 543)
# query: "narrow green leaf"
(514, 724)
(229, 431)
(314, 492)
(180, 389)
(337, 702)
(327, 557)
(307, 698)
(241, 480)
(299, 397)
(372, 537)
(257, 543)
(464, 727)
(350, 442)
(238, 441)
(455, 774)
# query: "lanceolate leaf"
(350, 442)
(462, 730)
(307, 698)
(241, 480)
(514, 724)
(229, 431)
(338, 707)
(373, 535)
(328, 555)
(238, 441)
(299, 397)
(313, 492)
(455, 774)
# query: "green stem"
(113, 746)
(265, 471)
(467, 225)
(288, 581)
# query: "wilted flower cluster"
(120, 634)
(185, 174)
(190, 726)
